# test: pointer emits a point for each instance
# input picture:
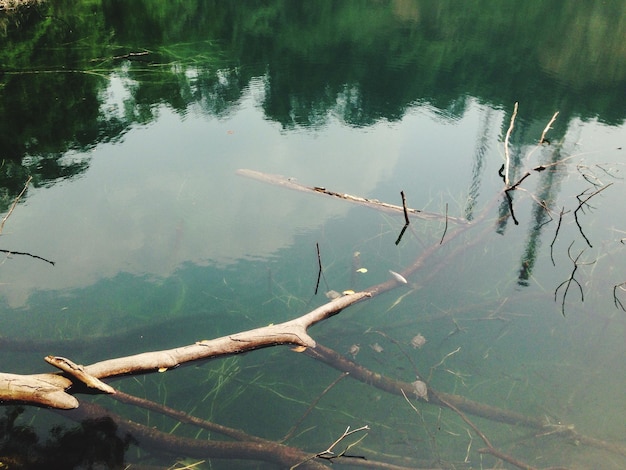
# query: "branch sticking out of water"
(406, 218)
(17, 199)
(320, 272)
(581, 204)
(445, 229)
(568, 282)
(616, 300)
(556, 234)
(542, 139)
(507, 156)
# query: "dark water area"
(127, 227)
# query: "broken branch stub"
(41, 389)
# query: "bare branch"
(568, 282)
(556, 234)
(542, 139)
(507, 156)
(50, 389)
(320, 272)
(17, 199)
(406, 218)
(24, 253)
(583, 202)
(618, 302)
(445, 229)
(328, 454)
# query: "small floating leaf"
(348, 292)
(162, 369)
(299, 348)
(361, 270)
(398, 277)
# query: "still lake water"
(133, 120)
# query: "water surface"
(132, 121)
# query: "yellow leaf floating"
(361, 270)
(299, 348)
(162, 369)
(348, 292)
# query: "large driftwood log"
(51, 389)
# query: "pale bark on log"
(40, 389)
(50, 389)
(290, 183)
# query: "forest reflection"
(315, 60)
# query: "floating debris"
(354, 350)
(348, 292)
(332, 294)
(398, 277)
(420, 389)
(418, 341)
(299, 349)
(361, 270)
(377, 347)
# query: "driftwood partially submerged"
(290, 183)
(51, 389)
(57, 389)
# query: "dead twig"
(328, 454)
(581, 204)
(24, 253)
(568, 282)
(445, 229)
(406, 218)
(406, 215)
(542, 139)
(320, 272)
(556, 234)
(507, 156)
(618, 302)
(17, 199)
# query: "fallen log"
(51, 389)
(290, 183)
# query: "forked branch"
(568, 282)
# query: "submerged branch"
(372, 203)
(12, 208)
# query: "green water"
(132, 119)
